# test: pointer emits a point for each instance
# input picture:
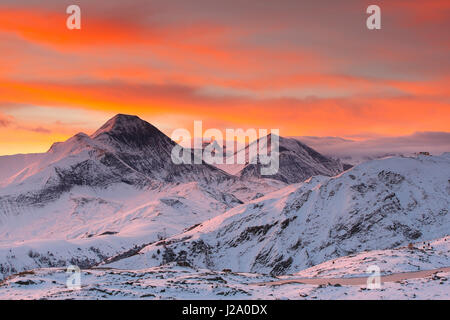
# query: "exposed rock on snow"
(115, 198)
(114, 191)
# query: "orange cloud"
(305, 75)
(420, 12)
(50, 27)
(383, 115)
(437, 87)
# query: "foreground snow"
(175, 282)
(183, 283)
(420, 256)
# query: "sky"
(307, 68)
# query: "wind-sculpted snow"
(381, 204)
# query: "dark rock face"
(297, 163)
(128, 133)
(347, 166)
(146, 150)
(126, 150)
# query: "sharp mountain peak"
(121, 132)
(126, 124)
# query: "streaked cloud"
(307, 68)
(5, 120)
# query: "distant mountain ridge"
(297, 162)
(380, 204)
(125, 149)
(129, 150)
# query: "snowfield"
(85, 227)
(380, 204)
(176, 282)
(420, 256)
(183, 283)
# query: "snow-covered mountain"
(376, 205)
(10, 165)
(116, 199)
(94, 197)
(125, 149)
(297, 161)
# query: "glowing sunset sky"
(305, 67)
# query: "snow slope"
(180, 282)
(377, 205)
(426, 255)
(92, 226)
(10, 165)
(116, 199)
(94, 197)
